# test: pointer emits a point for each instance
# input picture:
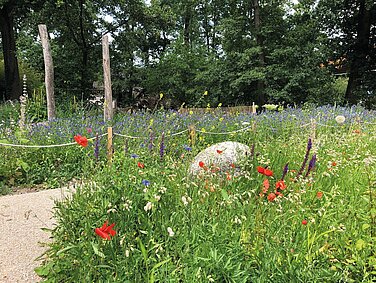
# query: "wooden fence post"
(110, 147)
(49, 72)
(192, 135)
(108, 108)
(253, 108)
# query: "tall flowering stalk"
(252, 150)
(311, 165)
(151, 140)
(96, 147)
(285, 170)
(162, 146)
(309, 146)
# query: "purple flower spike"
(162, 146)
(311, 165)
(309, 146)
(96, 148)
(285, 170)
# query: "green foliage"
(219, 229)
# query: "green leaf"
(360, 244)
(97, 251)
(365, 226)
(43, 270)
(224, 194)
(65, 249)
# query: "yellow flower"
(206, 92)
(160, 96)
(190, 112)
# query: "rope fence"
(191, 131)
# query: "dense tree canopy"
(239, 51)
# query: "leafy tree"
(351, 27)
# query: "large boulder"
(222, 157)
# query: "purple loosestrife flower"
(309, 146)
(311, 165)
(285, 170)
(162, 146)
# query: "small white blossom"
(170, 232)
(127, 253)
(340, 119)
(148, 206)
(157, 198)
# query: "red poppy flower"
(232, 165)
(271, 196)
(334, 163)
(279, 194)
(304, 222)
(81, 140)
(264, 171)
(219, 151)
(105, 231)
(228, 176)
(280, 185)
(140, 165)
(319, 195)
(266, 185)
(201, 164)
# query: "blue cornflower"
(145, 182)
(133, 155)
(187, 148)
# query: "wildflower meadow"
(300, 207)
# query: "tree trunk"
(12, 77)
(360, 52)
(49, 72)
(261, 99)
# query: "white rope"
(126, 136)
(138, 137)
(179, 133)
(224, 133)
(305, 125)
(325, 125)
(46, 146)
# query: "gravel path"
(21, 219)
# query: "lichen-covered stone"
(221, 156)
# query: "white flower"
(340, 119)
(170, 232)
(127, 253)
(184, 200)
(157, 198)
(148, 206)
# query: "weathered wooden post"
(253, 108)
(192, 135)
(49, 72)
(110, 147)
(108, 109)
